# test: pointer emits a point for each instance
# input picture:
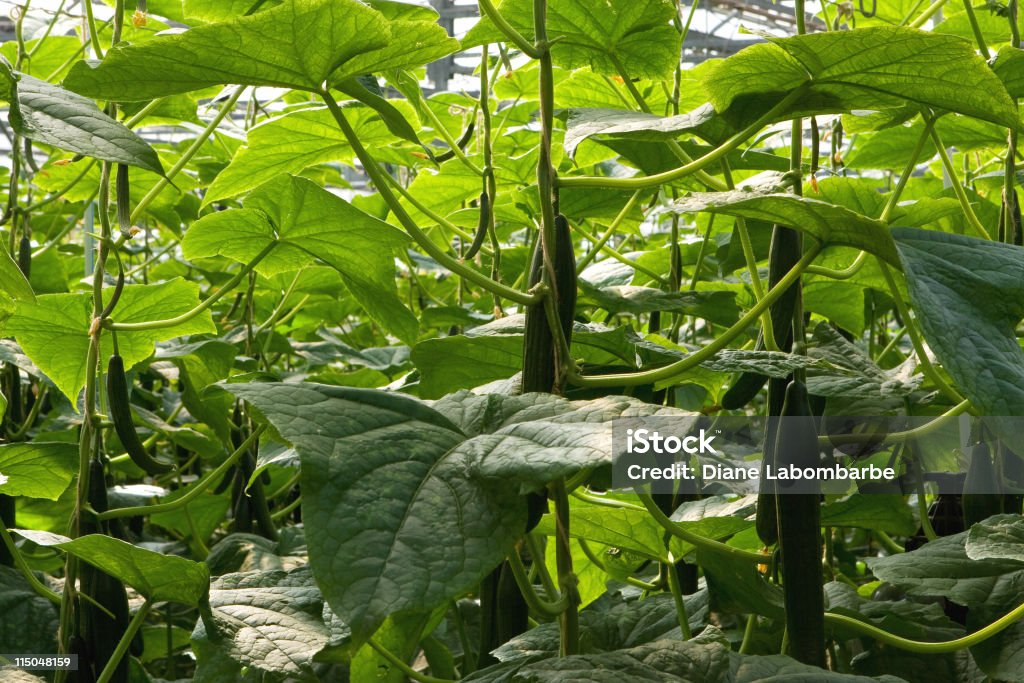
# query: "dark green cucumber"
(25, 256)
(8, 517)
(481, 227)
(783, 254)
(538, 343)
(99, 633)
(504, 613)
(799, 520)
(766, 519)
(981, 497)
(121, 416)
(124, 198)
(461, 143)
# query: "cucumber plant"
(324, 386)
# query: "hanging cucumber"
(783, 254)
(102, 624)
(799, 520)
(25, 256)
(121, 416)
(8, 517)
(481, 228)
(981, 497)
(124, 197)
(538, 343)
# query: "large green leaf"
(67, 317)
(394, 522)
(887, 513)
(291, 143)
(30, 620)
(868, 68)
(272, 621)
(154, 576)
(295, 45)
(218, 10)
(828, 223)
(1009, 67)
(597, 34)
(968, 296)
(461, 362)
(415, 43)
(307, 222)
(942, 567)
(997, 538)
(38, 469)
(613, 622)
(386, 477)
(49, 114)
(706, 657)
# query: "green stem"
(713, 347)
(921, 647)
(186, 157)
(896, 437)
(30, 419)
(687, 169)
(911, 12)
(49, 29)
(569, 621)
(126, 640)
(958, 189)
(194, 491)
(23, 567)
(748, 633)
(207, 303)
(537, 554)
(376, 175)
(596, 561)
(915, 338)
(927, 14)
(515, 37)
(908, 170)
(701, 542)
(598, 245)
(604, 501)
(402, 666)
(614, 253)
(288, 509)
(62, 191)
(94, 34)
(979, 37)
(673, 145)
(845, 273)
(449, 140)
(534, 601)
(886, 540)
(431, 214)
(137, 118)
(677, 596)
